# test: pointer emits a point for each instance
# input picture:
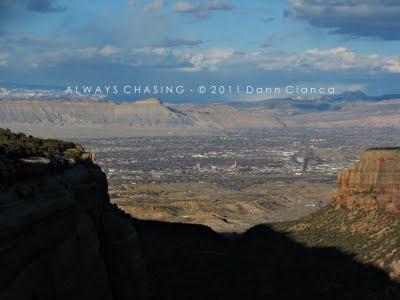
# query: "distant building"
(232, 168)
(196, 168)
(177, 172)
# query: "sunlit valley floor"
(234, 180)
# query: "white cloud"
(185, 7)
(334, 59)
(207, 60)
(108, 50)
(155, 5)
(4, 59)
(392, 65)
(182, 60)
(339, 59)
(149, 6)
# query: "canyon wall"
(371, 183)
(60, 238)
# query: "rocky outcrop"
(60, 238)
(372, 183)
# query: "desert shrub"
(17, 145)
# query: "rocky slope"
(60, 238)
(363, 216)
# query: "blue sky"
(348, 44)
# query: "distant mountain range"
(328, 102)
(359, 95)
(100, 117)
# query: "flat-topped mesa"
(371, 183)
(149, 101)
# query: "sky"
(346, 44)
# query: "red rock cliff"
(371, 183)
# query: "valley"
(234, 180)
(59, 224)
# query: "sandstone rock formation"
(362, 218)
(372, 183)
(60, 238)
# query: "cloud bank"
(359, 18)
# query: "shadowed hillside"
(61, 238)
(192, 262)
(372, 236)
(363, 216)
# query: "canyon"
(61, 238)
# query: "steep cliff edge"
(371, 183)
(363, 216)
(59, 236)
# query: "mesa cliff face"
(60, 238)
(362, 217)
(371, 183)
(88, 118)
(116, 119)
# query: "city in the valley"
(233, 179)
